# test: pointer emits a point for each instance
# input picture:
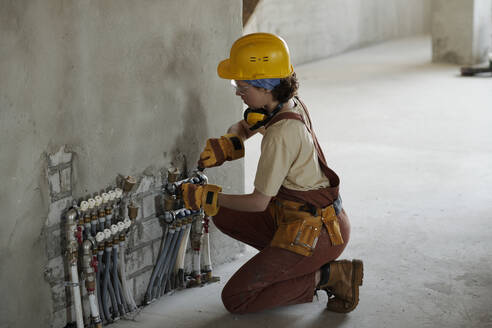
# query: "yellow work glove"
(217, 151)
(206, 196)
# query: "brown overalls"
(286, 234)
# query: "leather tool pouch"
(297, 231)
(330, 220)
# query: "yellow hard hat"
(257, 56)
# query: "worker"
(294, 216)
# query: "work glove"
(206, 196)
(226, 148)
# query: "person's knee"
(233, 303)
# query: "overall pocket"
(297, 232)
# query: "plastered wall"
(110, 87)
(317, 29)
(461, 31)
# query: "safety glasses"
(240, 89)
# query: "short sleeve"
(277, 155)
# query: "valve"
(84, 206)
(132, 211)
(92, 203)
(114, 229)
(98, 199)
(121, 226)
(100, 237)
(127, 222)
(112, 195)
(170, 203)
(107, 234)
(128, 183)
(173, 174)
(118, 192)
(105, 197)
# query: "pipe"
(126, 286)
(207, 263)
(72, 247)
(160, 261)
(128, 297)
(164, 268)
(109, 208)
(76, 296)
(102, 211)
(100, 253)
(113, 270)
(90, 266)
(180, 262)
(196, 241)
(106, 281)
(114, 304)
(116, 280)
(173, 188)
(168, 269)
(89, 217)
(95, 215)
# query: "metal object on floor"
(477, 70)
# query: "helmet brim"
(224, 70)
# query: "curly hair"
(286, 89)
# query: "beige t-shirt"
(288, 158)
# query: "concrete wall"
(461, 30)
(128, 87)
(318, 29)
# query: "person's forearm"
(245, 203)
(240, 129)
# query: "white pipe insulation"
(72, 248)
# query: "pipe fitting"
(98, 200)
(200, 175)
(121, 227)
(118, 193)
(71, 216)
(173, 174)
(92, 203)
(132, 211)
(170, 202)
(84, 206)
(114, 229)
(107, 234)
(87, 247)
(105, 197)
(100, 237)
(112, 195)
(128, 183)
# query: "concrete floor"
(412, 142)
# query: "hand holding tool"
(206, 196)
(226, 148)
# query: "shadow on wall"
(249, 7)
(176, 66)
(188, 142)
(193, 114)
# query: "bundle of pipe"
(101, 232)
(207, 262)
(181, 226)
(72, 250)
(176, 226)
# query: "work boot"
(341, 280)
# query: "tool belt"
(299, 225)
